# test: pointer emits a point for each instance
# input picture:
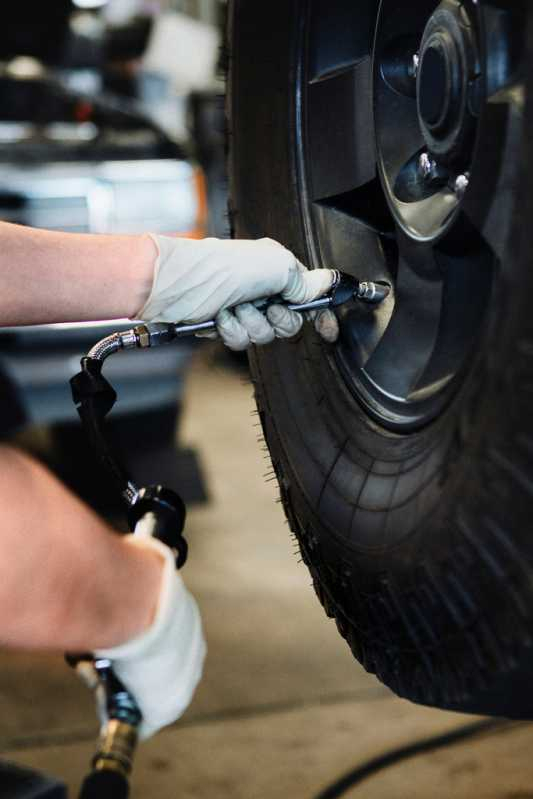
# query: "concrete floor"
(283, 708)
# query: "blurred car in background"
(99, 197)
(93, 140)
(91, 166)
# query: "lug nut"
(461, 184)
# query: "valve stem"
(369, 291)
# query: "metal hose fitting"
(369, 291)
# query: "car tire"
(417, 535)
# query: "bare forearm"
(47, 276)
(67, 582)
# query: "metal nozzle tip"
(369, 291)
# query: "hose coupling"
(116, 747)
(153, 334)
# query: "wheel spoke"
(404, 351)
(396, 118)
(349, 244)
(428, 214)
(499, 149)
(340, 133)
(498, 156)
(401, 141)
(502, 29)
(334, 40)
(465, 295)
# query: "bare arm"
(65, 277)
(65, 578)
(67, 582)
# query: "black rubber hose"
(94, 397)
(93, 426)
(375, 764)
(104, 784)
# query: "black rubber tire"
(420, 545)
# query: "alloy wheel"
(409, 121)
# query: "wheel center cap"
(447, 65)
(434, 89)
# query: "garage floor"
(283, 708)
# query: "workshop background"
(114, 121)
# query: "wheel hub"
(434, 86)
(446, 83)
(424, 151)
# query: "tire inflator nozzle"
(153, 334)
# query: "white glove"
(195, 281)
(163, 666)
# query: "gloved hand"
(195, 281)
(163, 665)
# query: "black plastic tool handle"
(344, 289)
